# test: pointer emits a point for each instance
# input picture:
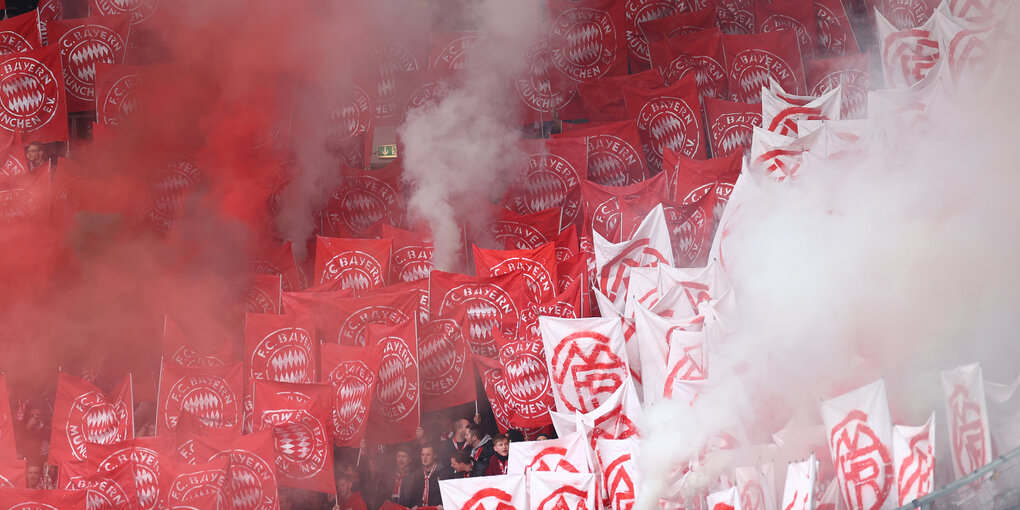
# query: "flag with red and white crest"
(12, 473)
(615, 156)
(615, 418)
(363, 198)
(12, 155)
(278, 259)
(396, 404)
(751, 60)
(835, 32)
(20, 33)
(635, 13)
(668, 118)
(908, 54)
(32, 95)
(587, 39)
(661, 340)
(619, 472)
(353, 373)
(587, 360)
(542, 89)
(252, 482)
(515, 231)
(450, 50)
(699, 54)
(978, 11)
(352, 124)
(412, 254)
(559, 490)
(799, 492)
(194, 485)
(726, 499)
(537, 266)
(346, 318)
(795, 15)
(264, 293)
(501, 492)
(110, 490)
(756, 486)
(83, 414)
(554, 171)
(851, 73)
(694, 179)
(605, 206)
(859, 430)
(735, 16)
(212, 394)
(280, 348)
(685, 22)
(730, 126)
(447, 371)
(7, 444)
(649, 247)
(357, 264)
(967, 418)
(299, 416)
(142, 455)
(905, 14)
(83, 43)
(178, 349)
(385, 58)
(914, 460)
(691, 228)
(781, 116)
(526, 392)
(421, 89)
(116, 92)
(50, 499)
(565, 454)
(602, 100)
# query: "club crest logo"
(862, 461)
(352, 330)
(13, 42)
(94, 419)
(210, 398)
(361, 201)
(28, 94)
(967, 431)
(586, 370)
(389, 60)
(442, 356)
(565, 498)
(619, 483)
(537, 89)
(515, 235)
(915, 477)
(639, 11)
(121, 101)
(455, 53)
(145, 463)
(526, 378)
(833, 36)
(396, 393)
(777, 22)
(102, 492)
(856, 85)
(490, 498)
(669, 122)
(751, 70)
(300, 441)
(81, 49)
(709, 74)
(285, 355)
(485, 307)
(412, 263)
(354, 270)
(252, 480)
(352, 117)
(352, 388)
(547, 184)
(140, 10)
(189, 487)
(583, 43)
(732, 132)
(610, 160)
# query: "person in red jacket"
(501, 449)
(345, 499)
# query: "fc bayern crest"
(442, 354)
(583, 43)
(610, 158)
(82, 48)
(13, 42)
(389, 60)
(285, 355)
(856, 85)
(549, 180)
(28, 95)
(210, 398)
(863, 462)
(536, 88)
(516, 235)
(145, 463)
(709, 74)
(527, 378)
(907, 14)
(300, 442)
(250, 477)
(750, 71)
(413, 263)
(17, 204)
(669, 122)
(732, 131)
(352, 382)
(777, 22)
(93, 419)
(639, 11)
(121, 101)
(833, 36)
(455, 53)
(351, 117)
(354, 270)
(396, 393)
(140, 10)
(485, 307)
(586, 370)
(361, 201)
(536, 276)
(352, 331)
(197, 485)
(102, 492)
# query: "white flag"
(501, 492)
(549, 490)
(967, 418)
(649, 247)
(914, 460)
(566, 453)
(799, 492)
(587, 360)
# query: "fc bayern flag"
(142, 455)
(50, 499)
(757, 487)
(109, 490)
(835, 32)
(859, 430)
(528, 396)
(12, 473)
(752, 59)
(851, 73)
(194, 485)
(554, 171)
(686, 22)
(608, 209)
(693, 179)
(116, 92)
(212, 394)
(967, 418)
(353, 372)
(795, 15)
(264, 293)
(7, 445)
(138, 11)
(700, 54)
(537, 266)
(447, 371)
(299, 416)
(20, 33)
(83, 43)
(32, 95)
(636, 12)
(364, 198)
(12, 155)
(555, 490)
(615, 157)
(278, 259)
(392, 305)
(735, 16)
(730, 125)
(412, 254)
(251, 466)
(356, 264)
(501, 492)
(515, 231)
(587, 38)
(602, 100)
(178, 349)
(650, 246)
(914, 460)
(799, 492)
(668, 118)
(82, 414)
(280, 347)
(587, 360)
(396, 404)
(449, 51)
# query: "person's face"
(502, 447)
(35, 418)
(428, 456)
(541, 437)
(32, 476)
(343, 487)
(472, 439)
(403, 460)
(459, 467)
(461, 431)
(34, 153)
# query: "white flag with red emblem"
(109, 490)
(967, 418)
(501, 492)
(649, 247)
(211, 394)
(82, 414)
(757, 487)
(555, 490)
(1004, 414)
(142, 455)
(914, 460)
(616, 418)
(859, 430)
(727, 499)
(830, 498)
(619, 472)
(907, 55)
(299, 416)
(672, 353)
(562, 454)
(780, 115)
(587, 360)
(799, 492)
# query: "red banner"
(551, 179)
(686, 22)
(280, 348)
(515, 231)
(278, 259)
(353, 372)
(396, 405)
(116, 96)
(12, 155)
(752, 59)
(83, 43)
(447, 373)
(735, 16)
(604, 205)
(835, 32)
(48, 499)
(795, 15)
(449, 50)
(412, 254)
(251, 464)
(363, 198)
(615, 157)
(731, 125)
(212, 394)
(142, 455)
(537, 265)
(356, 264)
(193, 486)
(20, 33)
(700, 54)
(602, 100)
(264, 293)
(32, 98)
(587, 39)
(12, 472)
(299, 416)
(110, 490)
(178, 349)
(668, 118)
(82, 415)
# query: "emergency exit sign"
(386, 151)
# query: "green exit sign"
(386, 151)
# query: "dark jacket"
(416, 486)
(482, 453)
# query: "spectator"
(515, 436)
(425, 484)
(35, 154)
(33, 475)
(345, 498)
(497, 463)
(481, 448)
(395, 484)
(456, 441)
(462, 464)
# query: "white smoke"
(460, 153)
(896, 265)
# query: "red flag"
(12, 154)
(543, 90)
(449, 50)
(967, 417)
(538, 266)
(635, 13)
(752, 59)
(835, 33)
(351, 128)
(320, 306)
(735, 16)
(12, 473)
(299, 416)
(264, 293)
(20, 33)
(412, 254)
(602, 100)
(83, 43)
(587, 39)
(278, 259)
(139, 11)
(280, 348)
(193, 486)
(357, 264)
(555, 169)
(852, 73)
(178, 349)
(691, 230)
(396, 408)
(405, 50)
(515, 231)
(49, 10)
(904, 14)
(82, 414)
(212, 394)
(730, 126)
(391, 306)
(795, 15)
(447, 373)
(914, 460)
(353, 373)
(700, 54)
(48, 499)
(116, 96)
(252, 469)
(668, 117)
(110, 490)
(7, 445)
(604, 206)
(363, 198)
(142, 455)
(527, 393)
(32, 95)
(615, 157)
(693, 179)
(685, 22)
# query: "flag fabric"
(12, 473)
(604, 206)
(278, 259)
(735, 16)
(515, 231)
(564, 454)
(904, 15)
(449, 50)
(356, 264)
(692, 180)
(688, 21)
(601, 97)
(615, 156)
(299, 416)
(280, 348)
(396, 404)
(781, 116)
(799, 492)
(20, 33)
(264, 293)
(668, 117)
(753, 59)
(1004, 414)
(650, 246)
(730, 125)
(727, 499)
(859, 430)
(554, 490)
(587, 360)
(500, 492)
(447, 370)
(914, 460)
(364, 198)
(756, 486)
(851, 73)
(116, 92)
(37, 498)
(412, 254)
(8, 449)
(12, 155)
(178, 349)
(636, 11)
(587, 39)
(528, 397)
(250, 461)
(109, 490)
(791, 15)
(551, 178)
(536, 265)
(353, 373)
(620, 476)
(83, 414)
(83, 43)
(142, 455)
(967, 418)
(699, 54)
(194, 485)
(835, 32)
(616, 418)
(909, 54)
(212, 394)
(33, 101)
